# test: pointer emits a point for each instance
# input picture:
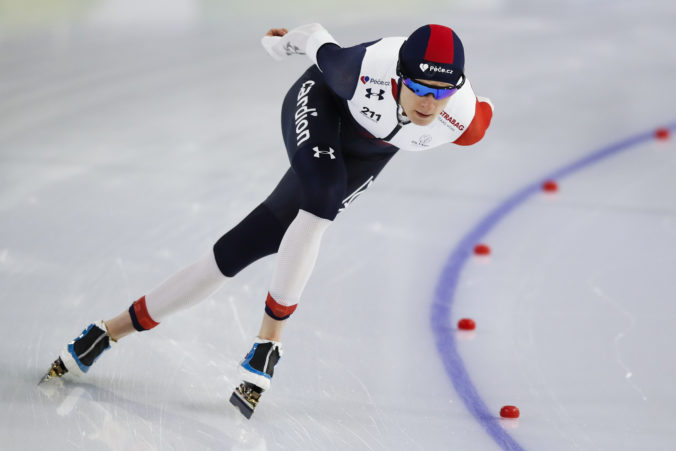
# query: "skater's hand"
(272, 43)
(277, 32)
(281, 43)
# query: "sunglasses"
(439, 93)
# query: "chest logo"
(379, 95)
(366, 79)
(423, 141)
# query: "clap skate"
(79, 355)
(256, 371)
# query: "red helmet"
(433, 52)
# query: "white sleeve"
(303, 40)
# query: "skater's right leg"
(120, 326)
(254, 237)
(182, 290)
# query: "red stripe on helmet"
(440, 45)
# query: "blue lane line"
(444, 296)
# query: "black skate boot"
(256, 371)
(81, 353)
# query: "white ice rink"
(134, 134)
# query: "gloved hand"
(281, 43)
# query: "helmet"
(432, 52)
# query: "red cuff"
(142, 316)
(277, 310)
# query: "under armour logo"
(370, 93)
(292, 49)
(319, 152)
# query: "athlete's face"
(422, 110)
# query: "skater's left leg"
(320, 181)
(271, 329)
(296, 259)
(311, 130)
(299, 248)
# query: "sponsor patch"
(374, 81)
(449, 121)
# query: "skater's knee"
(324, 201)
(256, 236)
(323, 194)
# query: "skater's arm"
(340, 66)
(477, 128)
(304, 40)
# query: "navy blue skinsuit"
(331, 156)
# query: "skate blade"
(245, 398)
(57, 370)
(244, 407)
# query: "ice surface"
(132, 137)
